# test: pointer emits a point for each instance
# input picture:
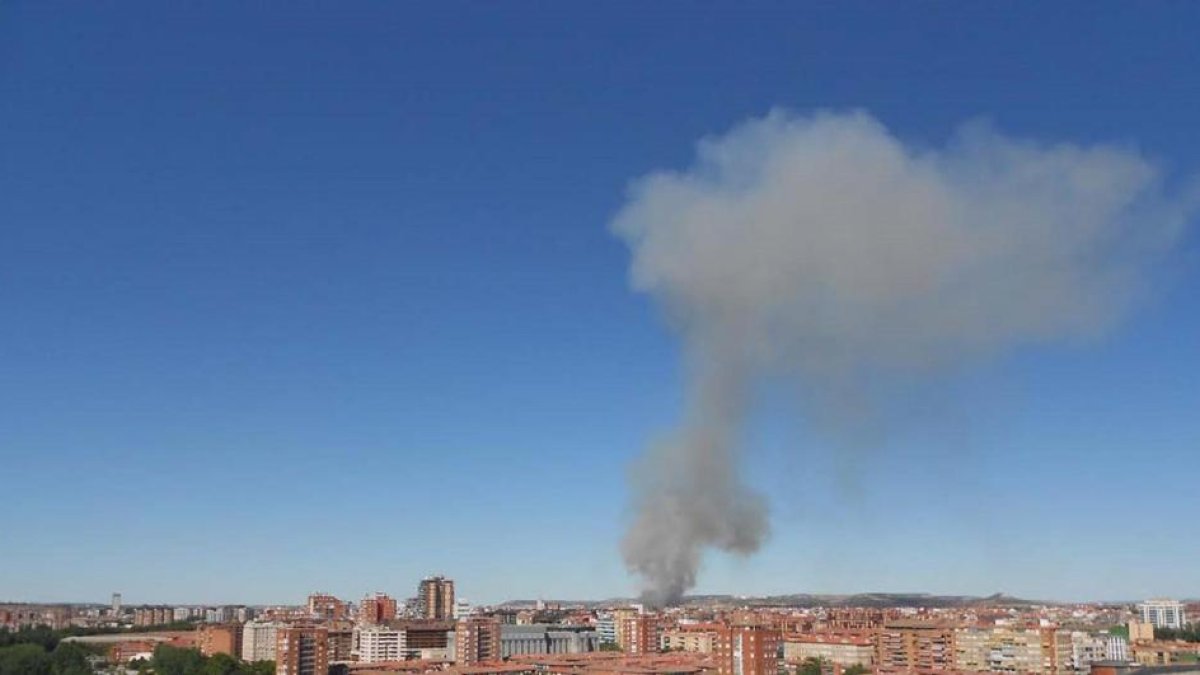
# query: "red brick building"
(746, 650)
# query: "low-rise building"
(547, 639)
(840, 650)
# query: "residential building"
(838, 649)
(258, 640)
(340, 640)
(219, 639)
(606, 626)
(746, 650)
(301, 650)
(636, 633)
(435, 596)
(477, 640)
(326, 607)
(695, 638)
(377, 609)
(380, 643)
(909, 645)
(1011, 650)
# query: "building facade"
(377, 609)
(697, 639)
(839, 650)
(1163, 613)
(746, 650)
(258, 640)
(902, 646)
(477, 640)
(547, 639)
(435, 596)
(326, 607)
(214, 639)
(379, 643)
(301, 650)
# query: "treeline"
(168, 660)
(1189, 633)
(41, 651)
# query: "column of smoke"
(822, 248)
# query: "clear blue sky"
(299, 297)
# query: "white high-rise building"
(462, 609)
(258, 641)
(379, 643)
(1163, 613)
(116, 604)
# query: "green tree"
(809, 666)
(222, 664)
(259, 668)
(856, 669)
(70, 658)
(24, 659)
(168, 660)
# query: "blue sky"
(323, 297)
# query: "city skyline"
(320, 297)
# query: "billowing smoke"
(824, 249)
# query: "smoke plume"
(823, 248)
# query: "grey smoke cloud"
(823, 248)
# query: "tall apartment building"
(116, 604)
(301, 650)
(326, 607)
(377, 609)
(914, 645)
(477, 640)
(380, 643)
(219, 639)
(258, 640)
(839, 650)
(746, 650)
(435, 596)
(1163, 613)
(636, 633)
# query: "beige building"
(840, 650)
(902, 646)
(1141, 631)
(696, 638)
(258, 640)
